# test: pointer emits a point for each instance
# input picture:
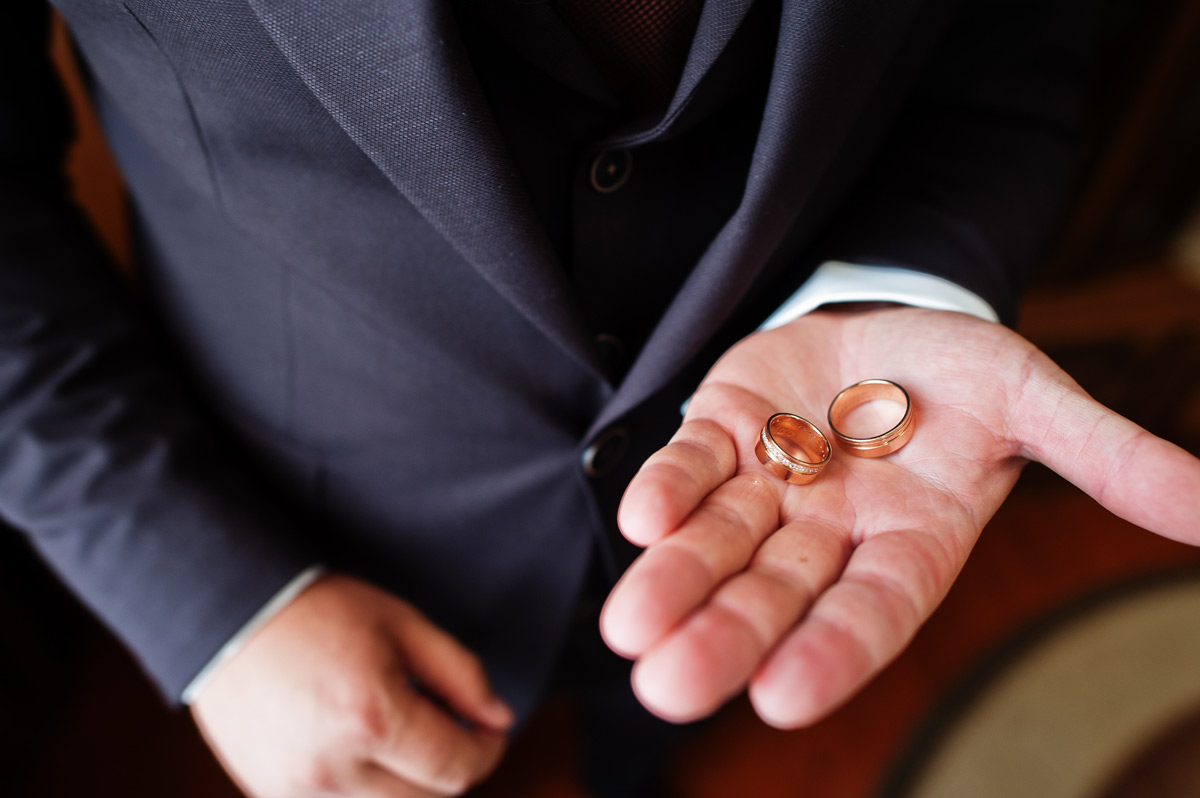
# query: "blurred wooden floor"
(1133, 340)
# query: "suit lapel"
(719, 20)
(394, 75)
(812, 105)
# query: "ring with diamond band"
(859, 394)
(792, 448)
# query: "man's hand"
(321, 702)
(804, 592)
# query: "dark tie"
(639, 45)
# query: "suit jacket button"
(611, 170)
(604, 453)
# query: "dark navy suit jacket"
(364, 327)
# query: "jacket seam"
(193, 115)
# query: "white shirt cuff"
(265, 613)
(837, 282)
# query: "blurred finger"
(675, 575)
(712, 655)
(425, 747)
(449, 670)
(890, 585)
(373, 781)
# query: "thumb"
(448, 670)
(1134, 474)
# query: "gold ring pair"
(793, 449)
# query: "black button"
(612, 353)
(610, 170)
(605, 452)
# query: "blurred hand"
(321, 702)
(804, 592)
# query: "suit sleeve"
(973, 175)
(139, 503)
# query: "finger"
(442, 665)
(712, 655)
(674, 480)
(890, 586)
(373, 781)
(1136, 475)
(424, 746)
(675, 575)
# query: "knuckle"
(367, 723)
(314, 776)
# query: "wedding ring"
(792, 448)
(868, 391)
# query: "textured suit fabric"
(640, 47)
(363, 332)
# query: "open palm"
(804, 592)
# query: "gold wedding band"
(792, 448)
(867, 391)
